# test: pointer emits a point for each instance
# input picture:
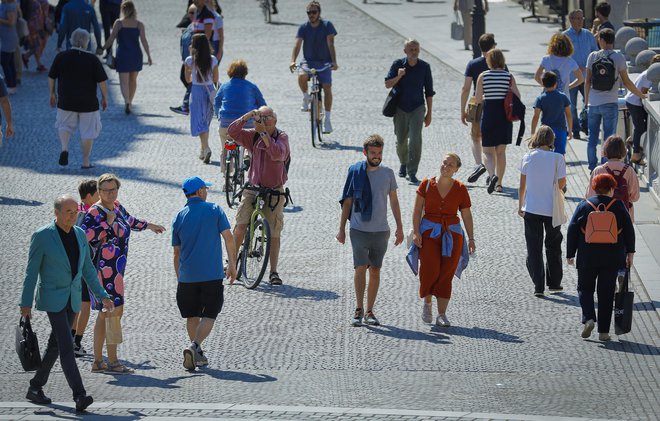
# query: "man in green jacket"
(59, 258)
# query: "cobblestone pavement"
(507, 352)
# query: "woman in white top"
(538, 170)
(218, 38)
(638, 114)
(202, 71)
(559, 61)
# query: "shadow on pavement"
(414, 335)
(290, 291)
(284, 24)
(631, 347)
(11, 201)
(237, 376)
(477, 333)
(138, 380)
(335, 146)
(145, 365)
(563, 298)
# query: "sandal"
(274, 279)
(498, 188)
(118, 368)
(99, 367)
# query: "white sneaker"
(79, 351)
(588, 327)
(327, 126)
(307, 99)
(442, 321)
(189, 358)
(427, 313)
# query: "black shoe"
(64, 158)
(555, 290)
(82, 402)
(478, 172)
(488, 180)
(127, 109)
(37, 396)
(491, 184)
(413, 179)
(577, 136)
(274, 11)
(402, 171)
(180, 110)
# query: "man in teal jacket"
(59, 258)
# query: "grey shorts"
(369, 247)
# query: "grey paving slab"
(507, 352)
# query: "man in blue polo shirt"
(196, 232)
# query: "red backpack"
(621, 190)
(601, 226)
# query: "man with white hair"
(77, 72)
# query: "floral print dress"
(110, 243)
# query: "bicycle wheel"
(255, 254)
(319, 117)
(313, 110)
(229, 176)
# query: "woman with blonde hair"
(560, 62)
(539, 169)
(129, 32)
(437, 232)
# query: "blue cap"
(192, 184)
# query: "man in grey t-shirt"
(364, 202)
(603, 104)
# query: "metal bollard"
(478, 26)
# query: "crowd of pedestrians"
(94, 234)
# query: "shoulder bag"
(27, 346)
(559, 216)
(391, 102)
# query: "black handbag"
(389, 108)
(27, 346)
(623, 307)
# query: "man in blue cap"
(196, 232)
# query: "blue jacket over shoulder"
(357, 186)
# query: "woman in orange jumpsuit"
(437, 232)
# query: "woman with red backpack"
(627, 190)
(602, 234)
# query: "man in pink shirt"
(269, 148)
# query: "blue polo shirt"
(553, 106)
(415, 86)
(196, 229)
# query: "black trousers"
(109, 14)
(603, 281)
(639, 118)
(552, 272)
(60, 343)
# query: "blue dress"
(129, 53)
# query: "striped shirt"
(496, 84)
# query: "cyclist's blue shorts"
(325, 77)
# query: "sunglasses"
(312, 12)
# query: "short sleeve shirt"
(202, 18)
(440, 209)
(563, 67)
(641, 82)
(611, 96)
(77, 73)
(552, 105)
(197, 229)
(315, 41)
(539, 167)
(474, 69)
(208, 79)
(382, 182)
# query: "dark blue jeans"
(60, 343)
(639, 118)
(8, 67)
(603, 281)
(574, 112)
(608, 114)
(552, 271)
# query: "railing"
(651, 145)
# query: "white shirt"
(208, 79)
(641, 82)
(217, 24)
(539, 167)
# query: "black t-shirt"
(77, 73)
(71, 247)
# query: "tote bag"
(559, 216)
(457, 27)
(623, 307)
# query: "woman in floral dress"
(108, 227)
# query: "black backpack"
(603, 72)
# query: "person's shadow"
(290, 291)
(236, 376)
(411, 335)
(477, 333)
(138, 380)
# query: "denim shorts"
(369, 247)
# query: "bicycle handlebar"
(268, 193)
(306, 69)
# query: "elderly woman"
(438, 234)
(599, 264)
(614, 149)
(539, 169)
(235, 98)
(496, 130)
(108, 227)
(560, 62)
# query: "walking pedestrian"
(638, 114)
(269, 147)
(496, 130)
(603, 10)
(203, 20)
(559, 61)
(605, 68)
(554, 110)
(6, 111)
(8, 42)
(583, 44)
(541, 172)
(184, 46)
(59, 258)
(218, 38)
(36, 40)
(364, 202)
(78, 14)
(439, 238)
(474, 68)
(234, 98)
(196, 232)
(110, 11)
(77, 73)
(464, 7)
(129, 32)
(599, 264)
(316, 37)
(414, 83)
(108, 227)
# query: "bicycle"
(255, 250)
(236, 164)
(266, 9)
(316, 109)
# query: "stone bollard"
(623, 35)
(643, 59)
(653, 75)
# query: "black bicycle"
(316, 109)
(236, 165)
